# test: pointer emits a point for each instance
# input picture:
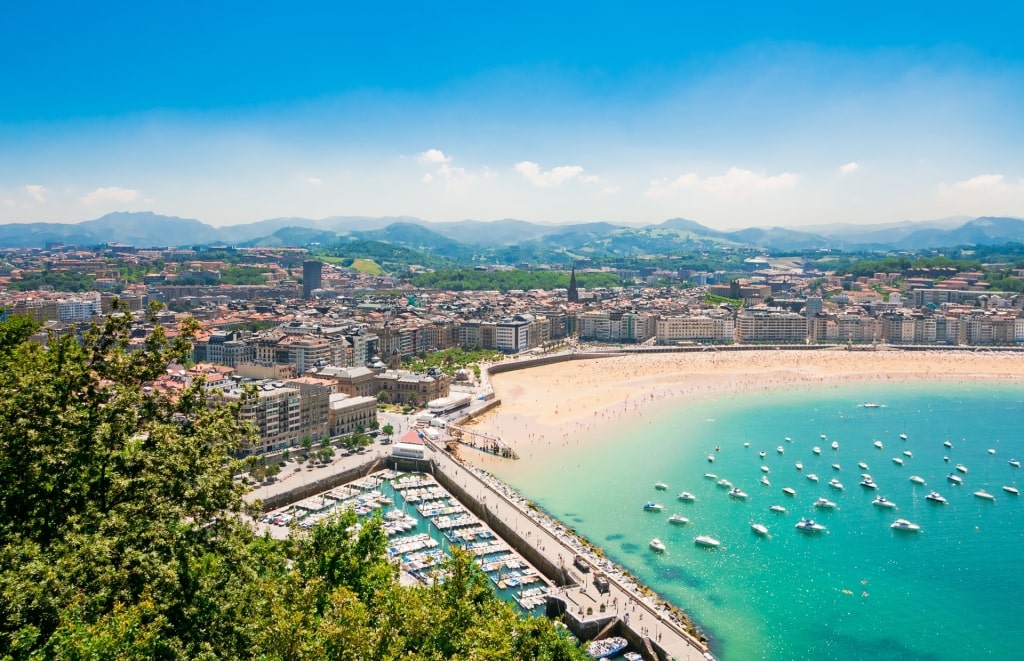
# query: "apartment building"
(713, 327)
(770, 326)
(275, 412)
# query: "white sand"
(563, 400)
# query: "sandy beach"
(561, 402)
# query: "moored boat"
(954, 478)
(711, 458)
(897, 461)
(1014, 463)
(837, 467)
(652, 507)
(813, 477)
(606, 647)
(765, 469)
(779, 509)
(908, 453)
(759, 528)
(835, 445)
(737, 493)
(678, 520)
(687, 497)
(905, 526)
(917, 479)
(868, 483)
(871, 405)
(764, 481)
(780, 449)
(936, 497)
(816, 450)
(706, 540)
(657, 545)
(809, 525)
(863, 466)
(836, 484)
(799, 465)
(724, 483)
(903, 436)
(984, 495)
(660, 486)
(1013, 490)
(961, 468)
(878, 444)
(711, 476)
(824, 503)
(882, 501)
(947, 444)
(789, 491)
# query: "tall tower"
(574, 292)
(312, 277)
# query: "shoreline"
(562, 402)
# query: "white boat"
(762, 454)
(737, 493)
(678, 520)
(759, 529)
(779, 508)
(788, 439)
(862, 465)
(686, 497)
(633, 656)
(764, 481)
(837, 467)
(936, 497)
(882, 501)
(1014, 463)
(871, 405)
(904, 525)
(917, 479)
(835, 484)
(903, 436)
(799, 465)
(652, 507)
(984, 495)
(823, 437)
(1013, 490)
(746, 445)
(711, 458)
(789, 491)
(947, 444)
(705, 540)
(711, 476)
(897, 461)
(961, 468)
(657, 545)
(606, 647)
(878, 444)
(660, 486)
(835, 445)
(765, 469)
(780, 449)
(991, 451)
(954, 478)
(809, 525)
(824, 503)
(908, 453)
(816, 450)
(868, 483)
(724, 483)
(812, 477)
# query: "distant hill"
(510, 240)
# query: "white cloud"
(109, 194)
(427, 178)
(991, 183)
(736, 182)
(551, 178)
(37, 192)
(849, 168)
(313, 180)
(433, 157)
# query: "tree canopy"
(123, 534)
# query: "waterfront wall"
(325, 483)
(505, 529)
(524, 363)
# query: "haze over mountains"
(452, 239)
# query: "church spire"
(574, 293)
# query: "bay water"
(859, 590)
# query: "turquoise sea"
(859, 591)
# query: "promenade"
(636, 608)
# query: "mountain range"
(512, 240)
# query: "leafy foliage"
(122, 532)
(450, 360)
(69, 281)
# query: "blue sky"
(737, 115)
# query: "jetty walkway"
(617, 606)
